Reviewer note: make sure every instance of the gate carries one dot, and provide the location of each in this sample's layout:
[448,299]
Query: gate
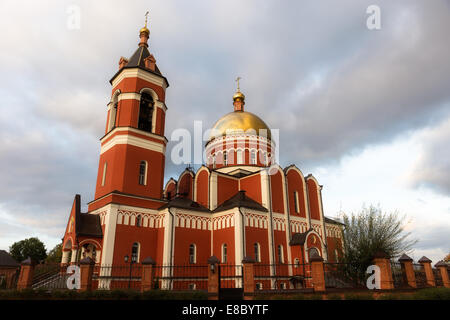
[231,282]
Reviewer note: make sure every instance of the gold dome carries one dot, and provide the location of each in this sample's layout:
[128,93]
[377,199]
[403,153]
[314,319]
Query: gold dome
[144,29]
[239,122]
[237,95]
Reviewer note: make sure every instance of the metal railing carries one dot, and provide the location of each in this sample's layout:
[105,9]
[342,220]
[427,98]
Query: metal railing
[117,277]
[230,276]
[421,279]
[180,277]
[438,277]
[282,276]
[343,275]
[398,275]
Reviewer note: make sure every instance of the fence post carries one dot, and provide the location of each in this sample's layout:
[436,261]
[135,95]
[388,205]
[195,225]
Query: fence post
[443,267]
[249,278]
[147,274]
[213,278]
[408,270]
[86,271]
[26,274]
[426,263]
[317,272]
[382,261]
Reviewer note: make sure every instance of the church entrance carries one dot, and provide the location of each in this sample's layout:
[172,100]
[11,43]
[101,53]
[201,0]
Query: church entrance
[231,282]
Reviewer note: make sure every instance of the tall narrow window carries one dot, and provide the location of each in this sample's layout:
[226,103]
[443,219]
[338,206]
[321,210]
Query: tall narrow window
[104,173]
[280,254]
[146,112]
[225,158]
[296,201]
[224,253]
[253,157]
[240,158]
[143,173]
[135,252]
[113,112]
[192,253]
[257,252]
[138,221]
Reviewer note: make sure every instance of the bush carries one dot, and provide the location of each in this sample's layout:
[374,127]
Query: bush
[334,296]
[432,294]
[359,296]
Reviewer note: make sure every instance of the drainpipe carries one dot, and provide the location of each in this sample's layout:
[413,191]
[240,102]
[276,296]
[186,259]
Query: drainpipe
[243,234]
[324,227]
[287,207]
[271,219]
[172,236]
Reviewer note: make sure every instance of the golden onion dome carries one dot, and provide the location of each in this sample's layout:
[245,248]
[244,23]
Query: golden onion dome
[144,29]
[237,95]
[240,122]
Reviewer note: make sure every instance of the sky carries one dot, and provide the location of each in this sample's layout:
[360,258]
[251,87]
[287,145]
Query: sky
[367,112]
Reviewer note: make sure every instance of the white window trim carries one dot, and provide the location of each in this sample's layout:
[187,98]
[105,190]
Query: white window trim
[145,172]
[195,253]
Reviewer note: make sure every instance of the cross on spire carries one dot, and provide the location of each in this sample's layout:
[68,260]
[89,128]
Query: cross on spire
[237,80]
[146,16]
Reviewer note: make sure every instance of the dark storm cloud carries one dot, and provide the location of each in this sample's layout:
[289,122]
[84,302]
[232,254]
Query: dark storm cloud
[311,69]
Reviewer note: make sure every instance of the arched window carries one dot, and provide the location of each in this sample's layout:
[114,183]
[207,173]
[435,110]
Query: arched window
[146,112]
[240,158]
[257,251]
[280,254]
[104,173]
[135,252]
[253,157]
[224,253]
[138,221]
[192,253]
[312,252]
[113,112]
[296,262]
[143,173]
[225,158]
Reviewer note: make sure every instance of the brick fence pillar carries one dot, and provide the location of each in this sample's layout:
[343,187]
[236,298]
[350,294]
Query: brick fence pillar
[147,274]
[317,273]
[86,271]
[26,274]
[443,268]
[426,263]
[249,278]
[408,270]
[382,261]
[213,278]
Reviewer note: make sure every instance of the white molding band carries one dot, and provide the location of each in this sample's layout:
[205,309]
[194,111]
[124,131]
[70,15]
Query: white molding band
[134,141]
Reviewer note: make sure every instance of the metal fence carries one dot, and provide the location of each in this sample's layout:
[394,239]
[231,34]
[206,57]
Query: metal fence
[49,276]
[398,275]
[343,275]
[117,277]
[180,277]
[438,277]
[282,276]
[421,279]
[230,276]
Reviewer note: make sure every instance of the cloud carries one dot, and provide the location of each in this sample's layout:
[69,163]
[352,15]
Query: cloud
[432,169]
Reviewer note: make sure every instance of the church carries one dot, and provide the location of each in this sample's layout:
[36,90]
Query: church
[239,204]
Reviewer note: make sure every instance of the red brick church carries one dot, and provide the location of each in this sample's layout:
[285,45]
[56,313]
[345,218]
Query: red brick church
[239,204]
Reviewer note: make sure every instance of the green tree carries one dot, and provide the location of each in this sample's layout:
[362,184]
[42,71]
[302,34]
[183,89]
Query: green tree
[31,247]
[55,254]
[370,232]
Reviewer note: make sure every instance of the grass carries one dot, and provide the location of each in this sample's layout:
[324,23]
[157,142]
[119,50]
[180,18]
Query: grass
[29,294]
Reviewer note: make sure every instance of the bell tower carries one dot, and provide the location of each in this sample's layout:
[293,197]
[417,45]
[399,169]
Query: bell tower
[132,154]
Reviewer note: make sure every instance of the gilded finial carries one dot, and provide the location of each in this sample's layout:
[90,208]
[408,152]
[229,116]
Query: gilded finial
[238,95]
[144,29]
[237,80]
